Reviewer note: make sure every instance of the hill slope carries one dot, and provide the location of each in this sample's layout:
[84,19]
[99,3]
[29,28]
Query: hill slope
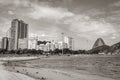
[115,49]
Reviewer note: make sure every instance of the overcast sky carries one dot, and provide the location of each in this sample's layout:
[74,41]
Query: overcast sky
[84,20]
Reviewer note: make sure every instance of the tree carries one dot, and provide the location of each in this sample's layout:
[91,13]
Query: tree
[66,51]
[57,51]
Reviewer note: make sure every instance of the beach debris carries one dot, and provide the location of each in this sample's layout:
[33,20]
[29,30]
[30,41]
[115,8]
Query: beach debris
[18,71]
[43,78]
[23,70]
[13,67]
[26,73]
[37,72]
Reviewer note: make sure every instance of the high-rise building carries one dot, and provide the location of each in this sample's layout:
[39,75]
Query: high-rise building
[0,44]
[8,34]
[56,45]
[19,35]
[60,45]
[32,43]
[68,42]
[5,43]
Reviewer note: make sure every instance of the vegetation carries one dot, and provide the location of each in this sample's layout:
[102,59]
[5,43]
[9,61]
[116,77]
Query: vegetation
[101,49]
[21,51]
[41,52]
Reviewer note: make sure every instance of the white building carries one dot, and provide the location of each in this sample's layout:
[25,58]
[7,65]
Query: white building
[23,43]
[60,45]
[42,47]
[32,43]
[5,43]
[68,42]
[17,32]
[56,45]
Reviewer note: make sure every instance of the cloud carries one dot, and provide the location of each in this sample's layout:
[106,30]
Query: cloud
[115,4]
[11,12]
[25,3]
[88,27]
[115,36]
[4,26]
[49,12]
[17,3]
[113,13]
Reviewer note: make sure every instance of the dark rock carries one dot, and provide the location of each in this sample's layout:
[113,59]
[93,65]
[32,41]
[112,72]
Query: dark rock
[115,49]
[98,42]
[18,71]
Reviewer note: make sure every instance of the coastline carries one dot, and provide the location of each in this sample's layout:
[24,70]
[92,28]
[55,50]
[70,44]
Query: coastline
[54,74]
[8,75]
[49,73]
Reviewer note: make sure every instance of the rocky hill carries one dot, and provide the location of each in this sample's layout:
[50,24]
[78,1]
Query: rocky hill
[99,49]
[98,42]
[115,49]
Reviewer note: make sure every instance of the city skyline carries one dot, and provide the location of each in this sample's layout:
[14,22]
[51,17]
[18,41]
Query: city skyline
[17,38]
[84,20]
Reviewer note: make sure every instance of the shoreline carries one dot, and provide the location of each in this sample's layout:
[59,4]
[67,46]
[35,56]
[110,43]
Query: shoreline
[47,68]
[8,75]
[54,74]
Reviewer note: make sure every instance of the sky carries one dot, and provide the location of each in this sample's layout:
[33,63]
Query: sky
[84,20]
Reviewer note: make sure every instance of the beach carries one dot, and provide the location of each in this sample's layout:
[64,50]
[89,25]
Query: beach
[67,68]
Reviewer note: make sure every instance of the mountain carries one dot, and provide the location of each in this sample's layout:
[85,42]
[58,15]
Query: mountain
[115,49]
[99,49]
[98,42]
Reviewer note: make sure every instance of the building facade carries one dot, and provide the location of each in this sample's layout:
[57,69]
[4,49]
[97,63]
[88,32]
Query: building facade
[5,43]
[32,43]
[18,35]
[68,42]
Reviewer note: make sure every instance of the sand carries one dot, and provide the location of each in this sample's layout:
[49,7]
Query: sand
[7,75]
[65,68]
[53,74]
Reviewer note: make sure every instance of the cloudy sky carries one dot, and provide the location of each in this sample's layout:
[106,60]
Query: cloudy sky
[84,20]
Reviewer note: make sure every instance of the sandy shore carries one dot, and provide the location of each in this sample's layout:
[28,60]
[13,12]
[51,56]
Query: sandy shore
[7,75]
[66,68]
[53,74]
[17,58]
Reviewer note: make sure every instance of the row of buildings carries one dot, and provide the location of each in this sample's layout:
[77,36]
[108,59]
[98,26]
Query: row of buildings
[17,38]
[35,43]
